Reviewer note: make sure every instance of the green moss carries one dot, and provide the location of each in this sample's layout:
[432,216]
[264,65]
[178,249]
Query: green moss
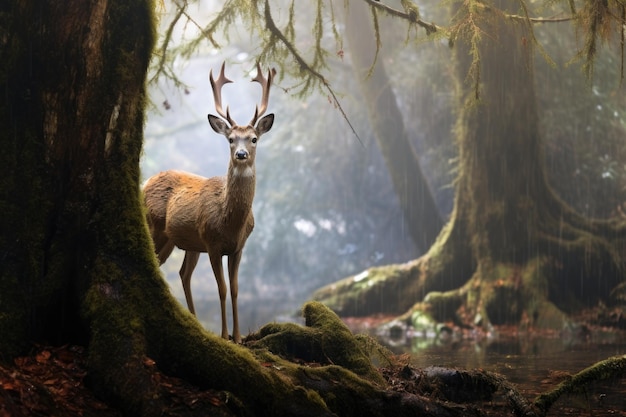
[535,277]
[422,322]
[373,290]
[497,293]
[340,398]
[325,339]
[611,368]
[442,304]
[341,390]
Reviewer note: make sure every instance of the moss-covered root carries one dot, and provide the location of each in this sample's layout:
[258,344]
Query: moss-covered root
[338,342]
[325,340]
[610,368]
[383,289]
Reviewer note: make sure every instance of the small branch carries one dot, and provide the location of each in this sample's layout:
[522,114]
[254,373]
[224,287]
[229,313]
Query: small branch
[271,25]
[622,41]
[164,47]
[206,33]
[430,27]
[541,19]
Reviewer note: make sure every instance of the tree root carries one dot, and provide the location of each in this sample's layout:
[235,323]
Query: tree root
[324,356]
[614,367]
[325,339]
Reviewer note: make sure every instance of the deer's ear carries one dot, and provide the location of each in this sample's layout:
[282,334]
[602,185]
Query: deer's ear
[265,124]
[219,125]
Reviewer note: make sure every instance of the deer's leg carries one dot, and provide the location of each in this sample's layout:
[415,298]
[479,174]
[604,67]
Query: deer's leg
[233,270]
[163,246]
[218,271]
[189,263]
[165,252]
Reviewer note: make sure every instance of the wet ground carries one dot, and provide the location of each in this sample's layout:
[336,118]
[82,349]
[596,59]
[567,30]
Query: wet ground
[538,366]
[535,362]
[51,381]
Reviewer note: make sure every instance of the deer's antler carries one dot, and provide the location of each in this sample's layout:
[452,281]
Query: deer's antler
[217,93]
[266,83]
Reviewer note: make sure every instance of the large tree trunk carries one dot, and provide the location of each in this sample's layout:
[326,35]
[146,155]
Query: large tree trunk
[72,120]
[512,242]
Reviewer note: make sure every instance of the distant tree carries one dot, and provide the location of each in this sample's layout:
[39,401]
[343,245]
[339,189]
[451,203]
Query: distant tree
[511,246]
[392,136]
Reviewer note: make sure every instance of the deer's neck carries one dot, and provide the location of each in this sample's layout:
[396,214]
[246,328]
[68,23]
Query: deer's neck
[240,187]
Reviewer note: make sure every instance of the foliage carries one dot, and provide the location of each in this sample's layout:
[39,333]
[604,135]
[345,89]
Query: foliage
[599,20]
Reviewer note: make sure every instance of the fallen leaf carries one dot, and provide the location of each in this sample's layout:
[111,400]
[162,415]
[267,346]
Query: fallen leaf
[43,356]
[8,386]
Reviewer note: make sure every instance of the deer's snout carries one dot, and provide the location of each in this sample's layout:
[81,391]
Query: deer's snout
[241,154]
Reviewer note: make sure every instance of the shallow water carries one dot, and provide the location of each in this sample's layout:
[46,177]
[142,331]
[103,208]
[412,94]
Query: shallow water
[534,365]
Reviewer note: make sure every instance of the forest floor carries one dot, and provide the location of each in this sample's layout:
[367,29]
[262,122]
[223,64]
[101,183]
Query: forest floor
[53,381]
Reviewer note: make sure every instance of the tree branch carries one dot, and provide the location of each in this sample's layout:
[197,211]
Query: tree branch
[430,27]
[271,26]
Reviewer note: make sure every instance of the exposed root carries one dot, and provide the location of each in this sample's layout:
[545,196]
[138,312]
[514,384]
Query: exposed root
[614,367]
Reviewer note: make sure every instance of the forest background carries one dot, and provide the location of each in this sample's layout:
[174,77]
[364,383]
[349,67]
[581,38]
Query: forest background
[325,206]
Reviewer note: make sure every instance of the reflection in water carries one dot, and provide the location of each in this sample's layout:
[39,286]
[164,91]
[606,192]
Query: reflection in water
[534,364]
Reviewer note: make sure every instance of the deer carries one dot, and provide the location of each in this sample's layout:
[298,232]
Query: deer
[211,215]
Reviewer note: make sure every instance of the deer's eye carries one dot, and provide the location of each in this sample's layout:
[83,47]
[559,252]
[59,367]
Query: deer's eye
[254,140]
[230,140]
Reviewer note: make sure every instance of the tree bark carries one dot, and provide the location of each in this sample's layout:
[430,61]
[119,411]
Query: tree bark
[72,120]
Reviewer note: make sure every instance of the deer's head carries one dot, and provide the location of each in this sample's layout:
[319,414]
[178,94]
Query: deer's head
[242,138]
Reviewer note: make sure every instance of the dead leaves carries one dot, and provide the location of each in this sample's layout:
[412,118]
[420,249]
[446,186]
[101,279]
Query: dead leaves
[52,382]
[51,379]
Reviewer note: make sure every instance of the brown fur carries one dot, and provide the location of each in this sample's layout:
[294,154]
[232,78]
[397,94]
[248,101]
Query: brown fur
[212,215]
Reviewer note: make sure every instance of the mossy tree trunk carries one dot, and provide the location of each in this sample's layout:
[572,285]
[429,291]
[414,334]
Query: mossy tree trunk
[71,129]
[514,251]
[395,288]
